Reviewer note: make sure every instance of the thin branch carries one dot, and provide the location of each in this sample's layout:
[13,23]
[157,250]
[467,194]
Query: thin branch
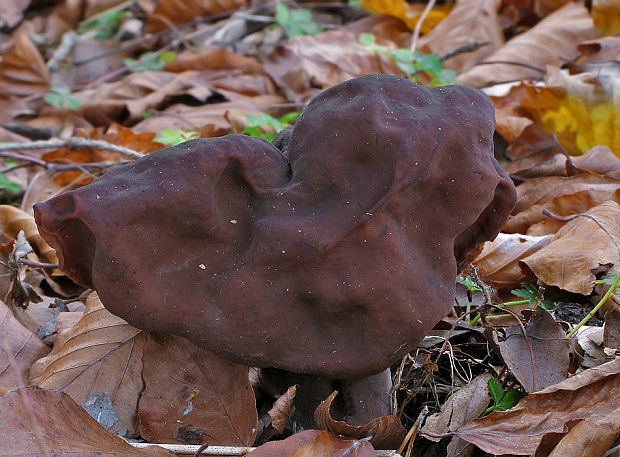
[418,25]
[71,143]
[35,264]
[510,62]
[465,48]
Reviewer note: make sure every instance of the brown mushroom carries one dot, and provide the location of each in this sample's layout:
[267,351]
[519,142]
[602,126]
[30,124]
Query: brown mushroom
[334,259]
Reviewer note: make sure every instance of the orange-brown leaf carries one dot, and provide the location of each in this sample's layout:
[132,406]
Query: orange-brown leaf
[315,443]
[385,432]
[590,395]
[194,396]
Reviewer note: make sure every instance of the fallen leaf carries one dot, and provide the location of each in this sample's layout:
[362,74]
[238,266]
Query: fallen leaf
[214,60]
[466,404]
[546,7]
[534,222]
[11,12]
[606,16]
[209,120]
[307,64]
[550,348]
[62,427]
[13,220]
[22,69]
[175,12]
[590,438]
[599,50]
[19,348]
[192,395]
[315,443]
[555,37]
[582,245]
[280,414]
[101,353]
[498,263]
[590,395]
[385,432]
[468,22]
[409,13]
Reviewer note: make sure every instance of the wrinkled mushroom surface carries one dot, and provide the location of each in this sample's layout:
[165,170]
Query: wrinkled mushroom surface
[335,260]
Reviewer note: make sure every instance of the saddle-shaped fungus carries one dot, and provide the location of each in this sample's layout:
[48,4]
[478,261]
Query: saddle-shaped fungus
[334,259]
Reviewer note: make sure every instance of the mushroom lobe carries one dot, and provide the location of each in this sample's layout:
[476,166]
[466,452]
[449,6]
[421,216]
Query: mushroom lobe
[335,259]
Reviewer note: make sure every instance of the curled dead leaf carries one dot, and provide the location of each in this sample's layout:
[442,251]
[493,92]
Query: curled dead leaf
[590,395]
[315,443]
[385,432]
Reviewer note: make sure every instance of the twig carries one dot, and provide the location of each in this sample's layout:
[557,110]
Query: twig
[35,264]
[510,62]
[464,48]
[418,25]
[189,449]
[413,431]
[596,308]
[72,143]
[571,168]
[68,41]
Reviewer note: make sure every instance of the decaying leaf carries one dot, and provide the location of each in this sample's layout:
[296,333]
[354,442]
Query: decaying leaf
[316,443]
[591,395]
[61,427]
[466,404]
[555,36]
[550,349]
[470,21]
[582,245]
[192,395]
[14,220]
[498,263]
[19,348]
[176,12]
[279,416]
[385,432]
[22,69]
[408,13]
[101,353]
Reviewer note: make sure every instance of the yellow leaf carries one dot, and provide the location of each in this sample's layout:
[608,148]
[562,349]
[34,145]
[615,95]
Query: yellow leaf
[409,14]
[606,16]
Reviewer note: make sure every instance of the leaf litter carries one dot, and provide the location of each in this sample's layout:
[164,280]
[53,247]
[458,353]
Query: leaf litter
[64,74]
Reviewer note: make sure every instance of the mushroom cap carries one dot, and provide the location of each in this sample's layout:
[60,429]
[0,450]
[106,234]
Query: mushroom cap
[336,261]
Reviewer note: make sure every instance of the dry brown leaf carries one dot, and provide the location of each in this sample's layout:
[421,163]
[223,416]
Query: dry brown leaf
[603,49]
[169,13]
[606,16]
[213,60]
[22,69]
[101,353]
[554,38]
[546,7]
[19,348]
[11,12]
[305,65]
[208,120]
[63,427]
[599,160]
[469,21]
[315,443]
[13,220]
[191,395]
[543,190]
[385,432]
[498,263]
[466,404]
[590,438]
[533,222]
[282,409]
[578,248]
[550,348]
[590,395]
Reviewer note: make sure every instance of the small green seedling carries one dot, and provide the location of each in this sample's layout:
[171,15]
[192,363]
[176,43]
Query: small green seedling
[467,282]
[106,24]
[62,97]
[174,137]
[150,61]
[257,124]
[296,21]
[10,187]
[610,282]
[529,291]
[412,63]
[502,400]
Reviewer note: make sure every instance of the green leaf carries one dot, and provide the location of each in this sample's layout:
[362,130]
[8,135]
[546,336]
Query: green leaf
[530,291]
[496,390]
[367,39]
[106,25]
[61,97]
[150,61]
[174,137]
[510,400]
[296,21]
[289,118]
[471,285]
